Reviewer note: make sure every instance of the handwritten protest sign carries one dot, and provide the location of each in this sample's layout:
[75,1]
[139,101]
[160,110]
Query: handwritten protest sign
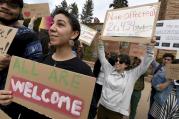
[167,32]
[133,24]
[172,71]
[7,35]
[137,50]
[54,92]
[87,34]
[38,10]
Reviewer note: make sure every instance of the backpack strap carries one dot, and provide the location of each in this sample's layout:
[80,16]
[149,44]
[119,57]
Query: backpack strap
[158,68]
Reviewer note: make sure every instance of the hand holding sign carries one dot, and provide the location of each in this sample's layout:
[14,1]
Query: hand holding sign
[152,41]
[5,97]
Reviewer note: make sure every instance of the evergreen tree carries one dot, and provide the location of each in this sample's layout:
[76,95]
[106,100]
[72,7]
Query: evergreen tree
[74,9]
[87,12]
[64,5]
[119,4]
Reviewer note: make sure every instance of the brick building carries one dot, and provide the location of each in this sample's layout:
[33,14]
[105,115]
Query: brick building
[169,9]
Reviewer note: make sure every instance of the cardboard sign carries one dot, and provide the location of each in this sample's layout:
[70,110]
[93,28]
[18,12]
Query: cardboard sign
[38,10]
[167,34]
[46,22]
[137,50]
[7,35]
[3,115]
[131,24]
[87,34]
[54,92]
[172,71]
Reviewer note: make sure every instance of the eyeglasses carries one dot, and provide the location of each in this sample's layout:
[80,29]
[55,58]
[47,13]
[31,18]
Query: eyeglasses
[10,3]
[120,62]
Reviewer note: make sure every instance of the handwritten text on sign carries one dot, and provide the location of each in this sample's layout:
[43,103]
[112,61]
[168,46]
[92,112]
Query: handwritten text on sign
[64,94]
[49,97]
[137,21]
[87,34]
[7,35]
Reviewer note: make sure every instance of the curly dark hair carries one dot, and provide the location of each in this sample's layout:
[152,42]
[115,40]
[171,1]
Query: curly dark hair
[168,55]
[72,19]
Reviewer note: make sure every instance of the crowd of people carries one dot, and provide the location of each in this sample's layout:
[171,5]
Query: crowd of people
[119,80]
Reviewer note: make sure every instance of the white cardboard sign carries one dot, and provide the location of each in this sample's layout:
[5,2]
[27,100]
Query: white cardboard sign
[167,34]
[131,23]
[87,34]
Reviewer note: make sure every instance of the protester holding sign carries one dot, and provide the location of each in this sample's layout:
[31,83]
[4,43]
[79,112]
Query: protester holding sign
[158,76]
[166,98]
[65,28]
[25,44]
[118,83]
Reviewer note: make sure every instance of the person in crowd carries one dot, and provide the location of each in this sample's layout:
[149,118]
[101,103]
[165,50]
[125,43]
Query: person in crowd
[158,71]
[118,83]
[25,43]
[136,94]
[165,105]
[65,27]
[99,74]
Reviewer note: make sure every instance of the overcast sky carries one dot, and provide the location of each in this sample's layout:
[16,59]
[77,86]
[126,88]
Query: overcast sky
[100,6]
